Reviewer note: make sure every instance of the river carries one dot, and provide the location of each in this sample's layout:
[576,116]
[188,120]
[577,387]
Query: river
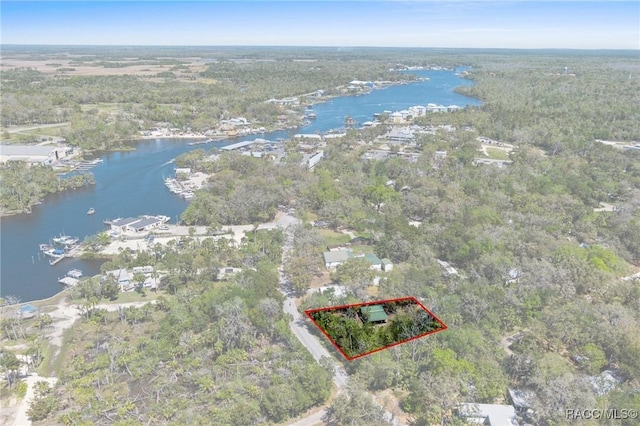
[130,184]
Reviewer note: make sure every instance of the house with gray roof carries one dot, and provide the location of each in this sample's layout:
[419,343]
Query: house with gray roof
[335,258]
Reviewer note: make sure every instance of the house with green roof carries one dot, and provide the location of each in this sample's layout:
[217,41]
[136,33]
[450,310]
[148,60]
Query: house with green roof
[375,262]
[374,314]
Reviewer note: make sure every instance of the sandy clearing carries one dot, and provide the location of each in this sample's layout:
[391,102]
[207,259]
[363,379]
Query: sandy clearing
[66,314]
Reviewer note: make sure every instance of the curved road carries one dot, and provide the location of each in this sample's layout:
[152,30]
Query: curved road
[308,340]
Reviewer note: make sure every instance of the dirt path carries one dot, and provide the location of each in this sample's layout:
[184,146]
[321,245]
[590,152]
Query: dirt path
[21,418]
[64,316]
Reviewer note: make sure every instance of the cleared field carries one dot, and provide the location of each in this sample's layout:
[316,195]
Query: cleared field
[497,153]
[189,67]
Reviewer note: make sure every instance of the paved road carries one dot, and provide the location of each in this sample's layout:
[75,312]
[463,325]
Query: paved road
[40,126]
[306,338]
[310,342]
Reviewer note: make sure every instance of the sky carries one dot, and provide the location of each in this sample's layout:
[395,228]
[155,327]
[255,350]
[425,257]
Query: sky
[417,23]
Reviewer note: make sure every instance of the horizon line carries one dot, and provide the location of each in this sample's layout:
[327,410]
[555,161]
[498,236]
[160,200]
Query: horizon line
[320,46]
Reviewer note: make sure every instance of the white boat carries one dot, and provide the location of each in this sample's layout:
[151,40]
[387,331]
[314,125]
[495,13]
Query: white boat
[55,253]
[162,218]
[74,273]
[91,211]
[65,240]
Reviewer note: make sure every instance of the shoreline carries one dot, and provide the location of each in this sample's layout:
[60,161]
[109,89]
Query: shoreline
[177,231]
[195,136]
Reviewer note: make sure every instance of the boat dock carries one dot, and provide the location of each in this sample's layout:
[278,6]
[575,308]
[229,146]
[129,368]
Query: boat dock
[71,249]
[72,278]
[73,252]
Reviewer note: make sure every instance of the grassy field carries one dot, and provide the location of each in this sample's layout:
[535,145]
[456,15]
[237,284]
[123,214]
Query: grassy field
[332,238]
[102,107]
[497,153]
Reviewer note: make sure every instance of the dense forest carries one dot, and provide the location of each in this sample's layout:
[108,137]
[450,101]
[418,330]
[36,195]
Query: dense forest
[532,253]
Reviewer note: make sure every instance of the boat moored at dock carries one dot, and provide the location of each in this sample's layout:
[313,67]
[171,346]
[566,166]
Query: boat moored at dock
[65,240]
[72,277]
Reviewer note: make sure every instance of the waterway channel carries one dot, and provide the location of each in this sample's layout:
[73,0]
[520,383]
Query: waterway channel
[130,184]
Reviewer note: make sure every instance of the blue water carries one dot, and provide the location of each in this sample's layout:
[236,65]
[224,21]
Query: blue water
[130,184]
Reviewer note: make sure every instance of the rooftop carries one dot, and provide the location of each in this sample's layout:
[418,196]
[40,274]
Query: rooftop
[27,150]
[372,259]
[490,414]
[374,313]
[336,256]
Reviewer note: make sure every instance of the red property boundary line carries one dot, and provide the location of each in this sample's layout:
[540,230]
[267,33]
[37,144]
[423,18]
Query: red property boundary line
[308,312]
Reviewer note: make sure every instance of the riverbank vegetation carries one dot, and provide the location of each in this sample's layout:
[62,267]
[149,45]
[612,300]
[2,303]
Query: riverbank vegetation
[23,186]
[529,253]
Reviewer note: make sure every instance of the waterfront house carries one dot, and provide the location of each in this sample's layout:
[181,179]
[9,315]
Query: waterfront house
[145,224]
[120,225]
[396,118]
[137,224]
[122,278]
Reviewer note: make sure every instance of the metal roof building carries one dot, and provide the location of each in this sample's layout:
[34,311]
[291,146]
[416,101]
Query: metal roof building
[38,154]
[335,258]
[374,313]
